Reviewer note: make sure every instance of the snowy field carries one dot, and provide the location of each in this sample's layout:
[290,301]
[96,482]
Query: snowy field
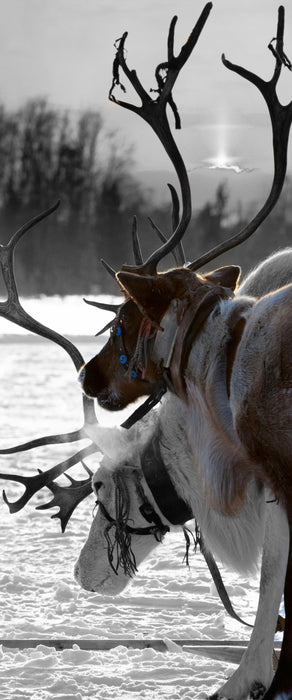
[40,599]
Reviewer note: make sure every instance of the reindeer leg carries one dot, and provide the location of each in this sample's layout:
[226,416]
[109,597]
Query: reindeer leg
[255,672]
[281,688]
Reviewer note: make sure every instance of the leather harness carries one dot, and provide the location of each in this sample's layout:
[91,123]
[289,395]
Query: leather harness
[192,323]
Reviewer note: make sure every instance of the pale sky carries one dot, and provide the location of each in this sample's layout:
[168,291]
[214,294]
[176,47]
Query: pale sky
[63,50]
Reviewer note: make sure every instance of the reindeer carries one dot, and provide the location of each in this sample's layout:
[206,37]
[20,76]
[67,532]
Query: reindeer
[188,335]
[226,357]
[235,540]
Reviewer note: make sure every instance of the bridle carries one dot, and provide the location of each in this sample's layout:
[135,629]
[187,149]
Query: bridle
[120,546]
[192,313]
[147,511]
[121,350]
[159,388]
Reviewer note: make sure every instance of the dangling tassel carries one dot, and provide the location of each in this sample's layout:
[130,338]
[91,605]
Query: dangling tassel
[120,553]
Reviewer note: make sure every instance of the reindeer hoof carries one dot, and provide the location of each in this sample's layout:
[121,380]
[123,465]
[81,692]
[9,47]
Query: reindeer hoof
[257,690]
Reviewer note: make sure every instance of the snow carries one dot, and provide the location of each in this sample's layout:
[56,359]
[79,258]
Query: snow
[40,598]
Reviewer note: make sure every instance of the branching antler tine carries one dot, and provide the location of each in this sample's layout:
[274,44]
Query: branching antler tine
[12,310]
[67,498]
[177,62]
[108,268]
[130,74]
[281,118]
[31,223]
[104,306]
[46,440]
[105,328]
[163,238]
[136,243]
[170,39]
[36,482]
[279,45]
[89,472]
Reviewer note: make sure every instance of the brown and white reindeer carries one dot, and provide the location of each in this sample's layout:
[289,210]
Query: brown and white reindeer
[227,358]
[197,358]
[127,536]
[235,540]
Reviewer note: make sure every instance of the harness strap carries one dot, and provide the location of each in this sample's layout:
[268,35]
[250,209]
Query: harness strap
[145,407]
[217,578]
[173,507]
[190,326]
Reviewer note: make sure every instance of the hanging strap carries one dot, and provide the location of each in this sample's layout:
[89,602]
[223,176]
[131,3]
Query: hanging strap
[150,402]
[217,578]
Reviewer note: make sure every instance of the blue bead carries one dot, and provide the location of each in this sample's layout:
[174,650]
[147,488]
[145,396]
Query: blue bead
[134,374]
[123,359]
[118,330]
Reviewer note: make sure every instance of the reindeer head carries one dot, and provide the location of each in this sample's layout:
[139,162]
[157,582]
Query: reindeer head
[119,538]
[125,369]
[122,370]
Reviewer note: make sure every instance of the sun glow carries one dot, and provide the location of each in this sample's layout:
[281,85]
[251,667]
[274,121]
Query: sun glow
[221,144]
[223,162]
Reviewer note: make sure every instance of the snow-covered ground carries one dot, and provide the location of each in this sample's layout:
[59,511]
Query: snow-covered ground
[39,597]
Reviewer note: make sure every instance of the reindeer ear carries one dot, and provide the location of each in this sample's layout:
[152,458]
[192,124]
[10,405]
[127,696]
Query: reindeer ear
[151,294]
[226,276]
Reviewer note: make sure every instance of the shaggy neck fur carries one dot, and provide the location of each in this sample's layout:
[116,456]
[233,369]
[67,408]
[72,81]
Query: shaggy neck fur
[241,549]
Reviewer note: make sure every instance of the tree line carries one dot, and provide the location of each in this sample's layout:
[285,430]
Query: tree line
[47,155]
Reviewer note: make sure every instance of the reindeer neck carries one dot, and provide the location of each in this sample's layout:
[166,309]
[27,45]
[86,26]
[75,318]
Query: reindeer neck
[182,324]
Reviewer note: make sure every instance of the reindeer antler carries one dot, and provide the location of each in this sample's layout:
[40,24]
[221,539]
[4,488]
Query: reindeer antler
[12,310]
[34,483]
[67,498]
[281,117]
[153,111]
